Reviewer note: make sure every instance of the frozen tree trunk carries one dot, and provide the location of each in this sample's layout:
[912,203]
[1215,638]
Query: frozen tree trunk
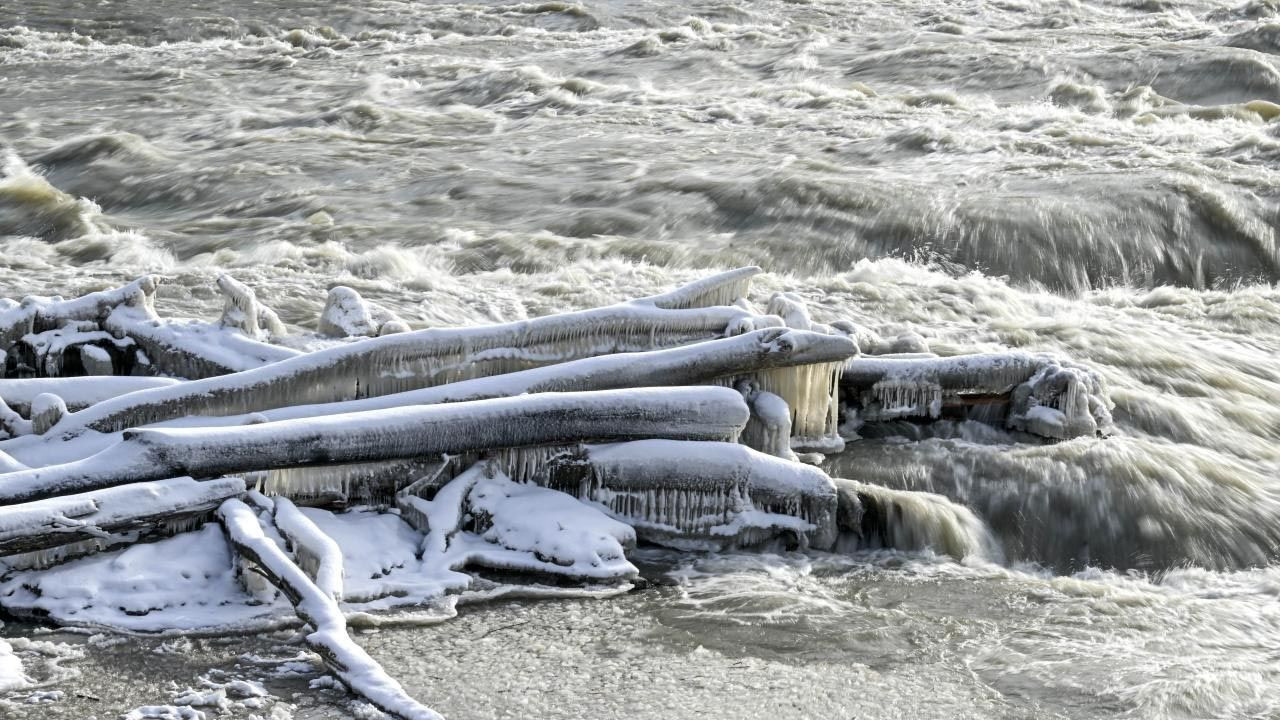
[695,413]
[359,672]
[406,361]
[1040,394]
[78,392]
[108,514]
[687,365]
[700,494]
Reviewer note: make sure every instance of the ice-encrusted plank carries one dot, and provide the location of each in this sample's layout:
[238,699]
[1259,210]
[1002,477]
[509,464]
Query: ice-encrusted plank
[359,672]
[701,413]
[425,358]
[111,514]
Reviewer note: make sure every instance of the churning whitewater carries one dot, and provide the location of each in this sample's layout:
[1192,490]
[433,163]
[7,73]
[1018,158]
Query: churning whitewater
[1095,182]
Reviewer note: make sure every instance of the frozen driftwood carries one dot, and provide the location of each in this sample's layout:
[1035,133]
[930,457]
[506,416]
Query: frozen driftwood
[483,518]
[703,413]
[1039,394]
[317,608]
[118,332]
[77,392]
[696,494]
[110,516]
[544,447]
[425,358]
[39,314]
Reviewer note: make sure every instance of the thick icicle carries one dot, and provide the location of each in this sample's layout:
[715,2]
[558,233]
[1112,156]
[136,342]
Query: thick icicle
[425,358]
[110,516]
[695,413]
[348,661]
[812,394]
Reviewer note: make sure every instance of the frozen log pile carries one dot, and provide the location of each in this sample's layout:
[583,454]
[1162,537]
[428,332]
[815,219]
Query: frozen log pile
[542,450]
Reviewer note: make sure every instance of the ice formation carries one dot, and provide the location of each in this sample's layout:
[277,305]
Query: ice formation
[178,476]
[243,312]
[700,494]
[1035,393]
[347,314]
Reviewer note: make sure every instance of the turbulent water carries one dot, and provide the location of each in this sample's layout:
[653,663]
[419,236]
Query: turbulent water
[1099,179]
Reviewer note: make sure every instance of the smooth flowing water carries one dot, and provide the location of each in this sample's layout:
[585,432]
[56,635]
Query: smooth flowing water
[1094,178]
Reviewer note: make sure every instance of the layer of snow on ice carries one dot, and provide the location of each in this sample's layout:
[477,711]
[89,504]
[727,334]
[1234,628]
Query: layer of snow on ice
[555,527]
[185,582]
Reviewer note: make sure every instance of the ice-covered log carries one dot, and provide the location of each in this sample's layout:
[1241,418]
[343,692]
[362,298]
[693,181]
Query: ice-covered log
[425,358]
[725,288]
[317,553]
[725,359]
[1037,393]
[703,413]
[194,350]
[701,494]
[78,392]
[359,672]
[112,515]
[11,423]
[38,314]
